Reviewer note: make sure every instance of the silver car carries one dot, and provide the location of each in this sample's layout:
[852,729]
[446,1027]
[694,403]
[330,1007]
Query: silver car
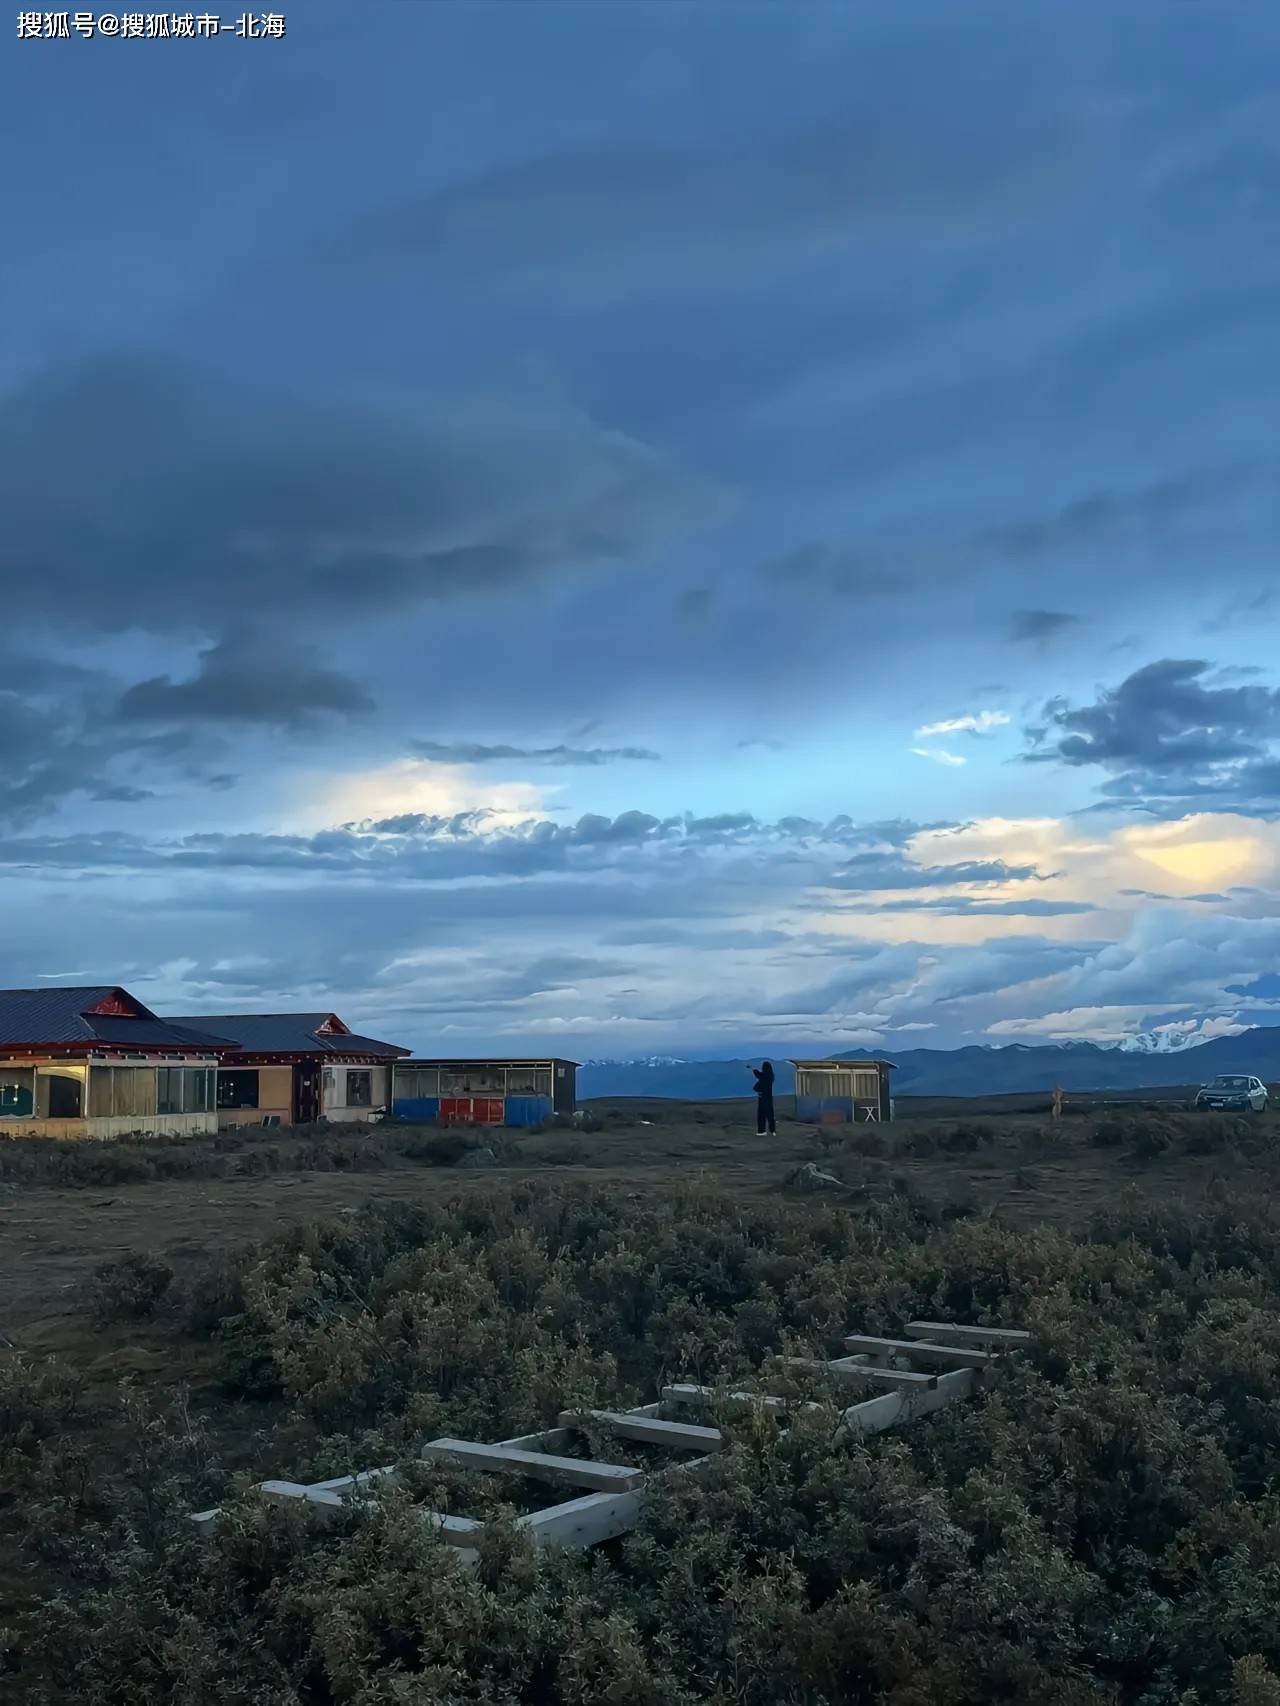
[1233,1091]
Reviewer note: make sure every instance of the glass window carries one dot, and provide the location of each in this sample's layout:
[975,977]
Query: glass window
[238,1089]
[528,1081]
[359,1089]
[60,1092]
[195,1089]
[169,1090]
[467,1080]
[17,1091]
[416,1083]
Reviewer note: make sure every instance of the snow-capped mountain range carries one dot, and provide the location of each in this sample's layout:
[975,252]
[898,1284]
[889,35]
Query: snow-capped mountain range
[1155,1059]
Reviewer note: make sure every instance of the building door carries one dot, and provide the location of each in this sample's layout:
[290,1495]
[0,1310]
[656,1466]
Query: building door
[306,1093]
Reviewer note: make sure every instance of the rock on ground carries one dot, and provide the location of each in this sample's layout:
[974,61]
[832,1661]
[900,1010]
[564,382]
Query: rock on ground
[812,1178]
[478,1158]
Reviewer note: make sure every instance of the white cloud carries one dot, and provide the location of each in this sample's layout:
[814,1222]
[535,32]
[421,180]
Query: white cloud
[979,723]
[938,755]
[718,930]
[1076,1024]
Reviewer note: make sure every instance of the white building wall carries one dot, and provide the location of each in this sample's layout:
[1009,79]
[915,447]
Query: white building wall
[334,1093]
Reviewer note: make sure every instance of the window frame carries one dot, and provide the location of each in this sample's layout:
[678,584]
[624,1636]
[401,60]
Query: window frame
[224,1077]
[15,1072]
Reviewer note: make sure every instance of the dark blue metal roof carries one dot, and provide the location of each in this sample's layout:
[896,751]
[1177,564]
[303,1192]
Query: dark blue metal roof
[65,1017]
[289,1033]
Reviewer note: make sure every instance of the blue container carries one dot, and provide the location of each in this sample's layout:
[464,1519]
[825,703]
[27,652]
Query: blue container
[528,1110]
[416,1110]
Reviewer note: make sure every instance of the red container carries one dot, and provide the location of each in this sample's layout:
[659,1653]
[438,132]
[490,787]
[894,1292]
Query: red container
[472,1110]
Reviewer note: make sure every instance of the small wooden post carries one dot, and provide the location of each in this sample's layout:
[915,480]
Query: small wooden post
[1057,1103]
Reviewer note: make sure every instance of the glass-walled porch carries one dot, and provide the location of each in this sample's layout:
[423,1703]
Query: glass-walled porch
[71,1090]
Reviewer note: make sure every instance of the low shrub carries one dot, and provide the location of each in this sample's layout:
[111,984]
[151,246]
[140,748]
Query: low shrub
[869,1141]
[440,1148]
[1108,1134]
[1151,1138]
[130,1288]
[560,1152]
[1097,1529]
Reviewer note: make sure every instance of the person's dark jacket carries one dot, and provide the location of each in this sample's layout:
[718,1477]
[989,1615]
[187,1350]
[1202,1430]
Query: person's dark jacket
[764,1079]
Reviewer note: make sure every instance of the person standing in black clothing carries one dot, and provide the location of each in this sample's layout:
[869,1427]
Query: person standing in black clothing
[766,1125]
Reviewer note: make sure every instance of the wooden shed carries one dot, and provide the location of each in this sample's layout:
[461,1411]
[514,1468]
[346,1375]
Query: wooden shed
[838,1090]
[483,1092]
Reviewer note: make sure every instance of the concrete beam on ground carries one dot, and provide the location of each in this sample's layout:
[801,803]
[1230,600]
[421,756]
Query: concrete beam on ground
[948,1356]
[319,1496]
[584,1522]
[651,1429]
[874,1415]
[538,1465]
[993,1338]
[684,1392]
[857,1368]
[352,1483]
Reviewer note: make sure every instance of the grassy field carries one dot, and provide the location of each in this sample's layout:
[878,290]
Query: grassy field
[64,1210]
[165,1323]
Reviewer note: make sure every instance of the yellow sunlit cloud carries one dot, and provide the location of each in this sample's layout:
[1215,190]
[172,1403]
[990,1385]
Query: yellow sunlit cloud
[411,786]
[1206,850]
[1210,864]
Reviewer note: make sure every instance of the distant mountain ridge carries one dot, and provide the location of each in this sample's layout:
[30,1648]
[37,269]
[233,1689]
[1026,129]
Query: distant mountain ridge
[971,1071]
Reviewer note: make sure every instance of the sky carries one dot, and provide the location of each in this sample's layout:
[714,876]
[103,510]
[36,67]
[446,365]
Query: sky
[645,527]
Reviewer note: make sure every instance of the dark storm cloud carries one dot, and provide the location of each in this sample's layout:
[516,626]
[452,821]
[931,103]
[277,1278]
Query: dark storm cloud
[1027,625]
[663,935]
[1243,612]
[123,793]
[470,752]
[245,681]
[851,570]
[44,756]
[970,907]
[1180,899]
[299,507]
[1166,735]
[1140,514]
[929,975]
[1204,504]
[934,976]
[609,215]
[484,984]
[877,871]
[56,746]
[1252,786]
[418,849]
